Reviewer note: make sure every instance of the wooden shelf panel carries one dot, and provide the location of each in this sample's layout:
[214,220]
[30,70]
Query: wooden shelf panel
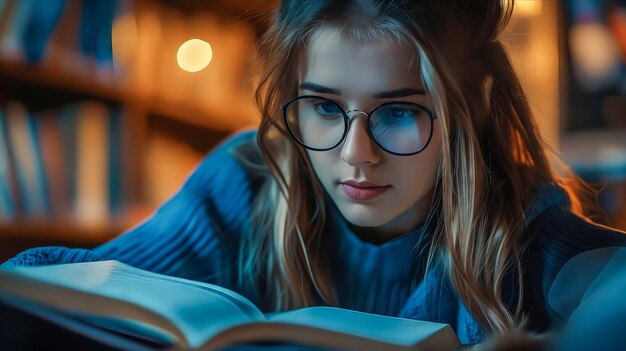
[225,122]
[43,82]
[67,233]
[70,83]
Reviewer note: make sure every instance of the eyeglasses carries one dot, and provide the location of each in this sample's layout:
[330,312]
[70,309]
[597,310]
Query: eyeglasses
[320,124]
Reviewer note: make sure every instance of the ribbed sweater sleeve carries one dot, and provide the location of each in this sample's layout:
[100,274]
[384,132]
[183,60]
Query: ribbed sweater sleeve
[562,235]
[565,235]
[192,235]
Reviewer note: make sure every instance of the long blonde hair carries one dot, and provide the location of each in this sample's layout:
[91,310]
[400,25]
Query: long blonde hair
[491,160]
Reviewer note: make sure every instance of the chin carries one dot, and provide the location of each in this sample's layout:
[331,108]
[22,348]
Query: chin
[364,217]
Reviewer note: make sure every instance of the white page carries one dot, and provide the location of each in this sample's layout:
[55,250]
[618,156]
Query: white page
[201,311]
[399,331]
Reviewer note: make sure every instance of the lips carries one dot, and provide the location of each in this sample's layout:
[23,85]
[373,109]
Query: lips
[364,190]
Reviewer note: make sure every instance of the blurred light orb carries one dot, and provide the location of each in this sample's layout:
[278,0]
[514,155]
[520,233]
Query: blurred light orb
[595,55]
[194,55]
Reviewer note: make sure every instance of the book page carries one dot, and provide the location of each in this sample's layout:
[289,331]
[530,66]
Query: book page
[399,331]
[106,336]
[337,328]
[197,310]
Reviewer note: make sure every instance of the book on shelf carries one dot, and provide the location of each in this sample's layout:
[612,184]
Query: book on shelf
[25,148]
[25,28]
[127,307]
[41,22]
[92,188]
[115,160]
[8,203]
[99,162]
[95,33]
[124,49]
[62,163]
[28,30]
[62,50]
[55,161]
[13,23]
[67,119]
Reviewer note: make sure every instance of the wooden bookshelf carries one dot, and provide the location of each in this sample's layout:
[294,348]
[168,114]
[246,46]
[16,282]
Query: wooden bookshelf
[50,85]
[61,85]
[19,237]
[220,121]
[44,77]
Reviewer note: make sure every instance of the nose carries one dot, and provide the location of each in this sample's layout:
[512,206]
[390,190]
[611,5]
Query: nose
[358,148]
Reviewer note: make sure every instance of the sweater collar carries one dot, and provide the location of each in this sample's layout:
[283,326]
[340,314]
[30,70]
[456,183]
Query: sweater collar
[401,245]
[545,196]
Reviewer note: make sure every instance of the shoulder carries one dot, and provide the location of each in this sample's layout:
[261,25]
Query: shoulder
[559,231]
[563,232]
[231,155]
[233,164]
[555,235]
[561,235]
[228,178]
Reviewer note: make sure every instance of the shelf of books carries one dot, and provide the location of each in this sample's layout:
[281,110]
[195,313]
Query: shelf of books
[64,163]
[99,122]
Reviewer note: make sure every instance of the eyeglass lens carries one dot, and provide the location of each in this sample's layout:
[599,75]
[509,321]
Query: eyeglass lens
[318,123]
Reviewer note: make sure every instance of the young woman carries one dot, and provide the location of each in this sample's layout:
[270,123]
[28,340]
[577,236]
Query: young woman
[397,170]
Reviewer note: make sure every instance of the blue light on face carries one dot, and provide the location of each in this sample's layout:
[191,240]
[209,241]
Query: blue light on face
[398,116]
[401,128]
[398,127]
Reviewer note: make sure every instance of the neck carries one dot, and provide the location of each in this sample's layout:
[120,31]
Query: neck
[404,223]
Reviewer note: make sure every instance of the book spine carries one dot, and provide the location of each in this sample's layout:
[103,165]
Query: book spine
[40,24]
[28,163]
[62,48]
[54,161]
[7,203]
[15,29]
[95,34]
[105,14]
[68,117]
[41,186]
[92,194]
[116,156]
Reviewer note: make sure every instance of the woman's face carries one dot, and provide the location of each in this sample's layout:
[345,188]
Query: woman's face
[355,74]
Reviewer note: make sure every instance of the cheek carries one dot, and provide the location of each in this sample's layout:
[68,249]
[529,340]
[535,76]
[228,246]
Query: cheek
[323,164]
[420,172]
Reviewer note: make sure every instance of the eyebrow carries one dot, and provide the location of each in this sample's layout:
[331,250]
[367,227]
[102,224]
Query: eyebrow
[398,93]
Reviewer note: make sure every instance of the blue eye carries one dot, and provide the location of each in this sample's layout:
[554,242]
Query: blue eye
[398,116]
[327,110]
[399,112]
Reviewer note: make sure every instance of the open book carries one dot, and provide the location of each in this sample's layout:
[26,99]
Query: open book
[136,309]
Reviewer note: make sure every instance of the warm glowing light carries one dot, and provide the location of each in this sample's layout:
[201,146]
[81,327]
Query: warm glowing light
[595,55]
[527,8]
[194,55]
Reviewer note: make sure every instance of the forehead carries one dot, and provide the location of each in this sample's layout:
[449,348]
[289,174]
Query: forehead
[358,69]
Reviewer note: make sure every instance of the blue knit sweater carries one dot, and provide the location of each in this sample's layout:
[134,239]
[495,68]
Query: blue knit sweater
[196,233]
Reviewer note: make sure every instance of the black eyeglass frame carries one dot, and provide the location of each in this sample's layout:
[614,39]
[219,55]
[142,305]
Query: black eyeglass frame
[348,121]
